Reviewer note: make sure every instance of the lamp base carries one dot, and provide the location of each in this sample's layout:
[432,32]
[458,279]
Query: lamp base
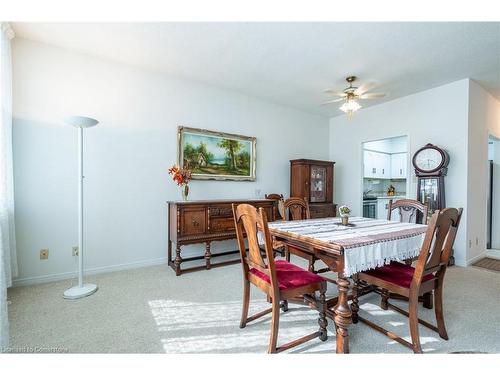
[80,292]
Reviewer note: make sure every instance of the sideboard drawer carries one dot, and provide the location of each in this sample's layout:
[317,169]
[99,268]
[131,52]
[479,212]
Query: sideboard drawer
[193,221]
[223,224]
[223,210]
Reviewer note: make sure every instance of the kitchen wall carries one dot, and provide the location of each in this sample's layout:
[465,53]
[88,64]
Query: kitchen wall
[380,186]
[438,115]
[127,156]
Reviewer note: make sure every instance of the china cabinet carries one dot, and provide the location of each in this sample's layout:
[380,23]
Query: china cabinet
[313,180]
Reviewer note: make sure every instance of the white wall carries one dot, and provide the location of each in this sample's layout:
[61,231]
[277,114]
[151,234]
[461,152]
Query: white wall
[438,116]
[484,119]
[127,155]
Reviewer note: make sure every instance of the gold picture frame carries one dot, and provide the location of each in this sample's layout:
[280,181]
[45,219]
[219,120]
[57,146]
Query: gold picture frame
[212,155]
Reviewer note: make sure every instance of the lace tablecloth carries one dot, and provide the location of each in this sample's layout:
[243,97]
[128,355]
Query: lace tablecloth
[369,243]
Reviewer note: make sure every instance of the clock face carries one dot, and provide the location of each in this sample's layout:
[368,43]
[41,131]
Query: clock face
[428,159]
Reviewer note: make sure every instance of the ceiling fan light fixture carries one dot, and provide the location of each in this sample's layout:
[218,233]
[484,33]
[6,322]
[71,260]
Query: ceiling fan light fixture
[349,107]
[351,94]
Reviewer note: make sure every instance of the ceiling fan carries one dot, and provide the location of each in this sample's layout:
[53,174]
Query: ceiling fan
[351,94]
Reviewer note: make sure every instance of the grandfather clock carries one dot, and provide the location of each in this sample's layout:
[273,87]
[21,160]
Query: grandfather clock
[431,166]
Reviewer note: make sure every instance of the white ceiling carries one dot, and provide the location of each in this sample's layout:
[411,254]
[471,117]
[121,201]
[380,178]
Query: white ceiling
[291,63]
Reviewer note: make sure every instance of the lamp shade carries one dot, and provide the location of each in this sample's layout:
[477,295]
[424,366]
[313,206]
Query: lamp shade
[81,121]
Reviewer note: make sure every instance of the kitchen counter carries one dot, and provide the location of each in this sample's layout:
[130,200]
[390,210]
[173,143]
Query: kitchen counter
[392,197]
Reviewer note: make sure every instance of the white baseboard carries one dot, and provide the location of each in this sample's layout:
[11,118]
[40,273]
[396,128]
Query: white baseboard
[90,271]
[476,258]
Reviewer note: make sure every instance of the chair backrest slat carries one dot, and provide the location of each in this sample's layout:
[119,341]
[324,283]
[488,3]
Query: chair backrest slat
[408,210]
[438,242]
[250,221]
[298,209]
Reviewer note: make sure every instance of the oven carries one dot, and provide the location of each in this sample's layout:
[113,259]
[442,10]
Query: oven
[370,208]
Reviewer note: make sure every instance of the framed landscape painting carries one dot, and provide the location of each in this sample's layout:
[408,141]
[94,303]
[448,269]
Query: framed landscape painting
[216,156]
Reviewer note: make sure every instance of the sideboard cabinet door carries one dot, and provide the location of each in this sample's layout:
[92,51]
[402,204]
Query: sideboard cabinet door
[193,221]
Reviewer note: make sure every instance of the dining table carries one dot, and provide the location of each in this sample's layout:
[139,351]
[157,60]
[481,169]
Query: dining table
[362,244]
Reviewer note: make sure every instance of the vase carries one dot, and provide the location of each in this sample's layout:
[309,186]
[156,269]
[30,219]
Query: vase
[185,192]
[345,220]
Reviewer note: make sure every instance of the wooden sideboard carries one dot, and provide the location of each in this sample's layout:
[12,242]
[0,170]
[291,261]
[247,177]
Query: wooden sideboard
[194,222]
[313,180]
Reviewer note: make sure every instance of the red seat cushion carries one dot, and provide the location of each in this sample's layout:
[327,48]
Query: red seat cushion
[396,273]
[289,276]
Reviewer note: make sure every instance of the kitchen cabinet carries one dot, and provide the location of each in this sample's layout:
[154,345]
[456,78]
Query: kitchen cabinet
[398,165]
[376,164]
[368,164]
[384,165]
[382,208]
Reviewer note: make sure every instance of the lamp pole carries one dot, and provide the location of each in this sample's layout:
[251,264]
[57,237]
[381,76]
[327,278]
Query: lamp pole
[80,207]
[82,290]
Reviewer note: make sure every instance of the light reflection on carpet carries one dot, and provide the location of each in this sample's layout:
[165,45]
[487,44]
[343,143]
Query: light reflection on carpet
[213,327]
[193,327]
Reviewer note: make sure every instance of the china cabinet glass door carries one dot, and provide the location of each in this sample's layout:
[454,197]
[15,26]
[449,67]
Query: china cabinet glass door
[318,184]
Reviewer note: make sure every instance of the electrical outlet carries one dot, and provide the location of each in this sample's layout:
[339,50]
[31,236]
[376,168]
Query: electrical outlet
[44,254]
[477,241]
[75,251]
[470,244]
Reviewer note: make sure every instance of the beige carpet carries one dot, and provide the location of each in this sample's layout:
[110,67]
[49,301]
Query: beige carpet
[150,310]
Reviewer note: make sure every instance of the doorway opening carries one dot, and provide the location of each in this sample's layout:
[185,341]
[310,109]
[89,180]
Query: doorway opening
[493,207]
[385,175]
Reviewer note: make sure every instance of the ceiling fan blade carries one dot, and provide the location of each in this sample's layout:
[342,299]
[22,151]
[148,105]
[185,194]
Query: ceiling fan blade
[373,95]
[335,92]
[365,87]
[332,101]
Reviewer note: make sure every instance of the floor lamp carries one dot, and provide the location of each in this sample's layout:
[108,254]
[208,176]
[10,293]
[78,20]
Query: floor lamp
[82,290]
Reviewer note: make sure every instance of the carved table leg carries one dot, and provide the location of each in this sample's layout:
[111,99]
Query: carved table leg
[355,300]
[342,315]
[208,255]
[322,316]
[177,260]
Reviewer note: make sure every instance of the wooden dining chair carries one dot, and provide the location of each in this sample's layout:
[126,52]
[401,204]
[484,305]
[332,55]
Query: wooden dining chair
[427,276]
[410,211]
[280,280]
[278,208]
[279,247]
[298,209]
